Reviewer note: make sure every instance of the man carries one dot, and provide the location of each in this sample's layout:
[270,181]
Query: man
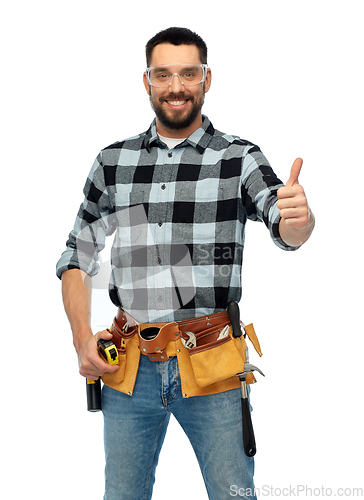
[177,198]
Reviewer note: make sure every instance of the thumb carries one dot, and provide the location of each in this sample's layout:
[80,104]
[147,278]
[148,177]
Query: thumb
[104,334]
[295,172]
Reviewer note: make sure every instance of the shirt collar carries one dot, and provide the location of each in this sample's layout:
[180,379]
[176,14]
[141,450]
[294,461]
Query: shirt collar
[200,139]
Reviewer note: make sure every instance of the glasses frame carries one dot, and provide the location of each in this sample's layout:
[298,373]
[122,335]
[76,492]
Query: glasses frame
[203,66]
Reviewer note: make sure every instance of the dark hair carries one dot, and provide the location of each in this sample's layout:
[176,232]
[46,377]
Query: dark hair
[177,36]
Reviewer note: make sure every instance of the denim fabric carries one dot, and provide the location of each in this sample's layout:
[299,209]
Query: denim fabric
[135,428]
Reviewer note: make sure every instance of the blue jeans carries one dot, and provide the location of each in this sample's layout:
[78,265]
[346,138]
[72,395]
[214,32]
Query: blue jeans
[135,427]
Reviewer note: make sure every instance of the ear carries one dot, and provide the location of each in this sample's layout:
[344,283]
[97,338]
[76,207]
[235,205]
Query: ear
[208,80]
[146,83]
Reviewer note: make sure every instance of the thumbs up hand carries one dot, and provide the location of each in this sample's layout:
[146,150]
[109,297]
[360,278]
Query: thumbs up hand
[297,220]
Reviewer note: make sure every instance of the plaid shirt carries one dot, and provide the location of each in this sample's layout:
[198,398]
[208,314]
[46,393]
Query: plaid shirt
[178,218]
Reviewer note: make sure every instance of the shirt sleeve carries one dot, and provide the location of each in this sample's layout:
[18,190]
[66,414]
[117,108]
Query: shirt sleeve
[259,193]
[92,225]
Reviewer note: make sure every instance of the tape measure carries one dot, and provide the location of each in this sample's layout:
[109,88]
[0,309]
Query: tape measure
[107,350]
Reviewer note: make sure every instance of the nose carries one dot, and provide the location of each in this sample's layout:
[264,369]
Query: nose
[176,84]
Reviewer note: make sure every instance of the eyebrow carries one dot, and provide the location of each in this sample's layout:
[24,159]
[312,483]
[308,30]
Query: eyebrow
[159,68]
[164,66]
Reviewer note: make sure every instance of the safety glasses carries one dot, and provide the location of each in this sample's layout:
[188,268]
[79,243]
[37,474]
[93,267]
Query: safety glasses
[188,74]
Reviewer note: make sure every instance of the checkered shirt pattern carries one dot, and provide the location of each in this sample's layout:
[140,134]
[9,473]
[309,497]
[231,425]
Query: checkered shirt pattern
[178,219]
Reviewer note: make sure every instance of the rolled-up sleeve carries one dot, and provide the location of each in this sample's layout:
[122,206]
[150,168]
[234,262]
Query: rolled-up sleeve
[87,237]
[259,193]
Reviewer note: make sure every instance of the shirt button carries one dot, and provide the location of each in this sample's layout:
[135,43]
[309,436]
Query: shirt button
[170,155]
[163,186]
[160,223]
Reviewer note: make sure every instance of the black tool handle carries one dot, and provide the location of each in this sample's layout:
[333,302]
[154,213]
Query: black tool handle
[234,315]
[93,391]
[248,431]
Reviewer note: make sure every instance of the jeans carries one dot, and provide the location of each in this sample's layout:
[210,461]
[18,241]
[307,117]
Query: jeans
[135,427]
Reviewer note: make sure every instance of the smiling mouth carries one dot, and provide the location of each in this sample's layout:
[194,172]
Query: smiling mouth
[177,104]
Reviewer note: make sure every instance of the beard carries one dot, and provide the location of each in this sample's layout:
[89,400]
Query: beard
[174,119]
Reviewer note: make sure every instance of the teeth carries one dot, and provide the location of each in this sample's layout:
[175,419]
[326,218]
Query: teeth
[176,103]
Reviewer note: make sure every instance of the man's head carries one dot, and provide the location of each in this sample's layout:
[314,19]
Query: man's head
[176,80]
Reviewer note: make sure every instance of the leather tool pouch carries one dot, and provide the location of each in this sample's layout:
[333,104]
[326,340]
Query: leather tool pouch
[153,340]
[215,360]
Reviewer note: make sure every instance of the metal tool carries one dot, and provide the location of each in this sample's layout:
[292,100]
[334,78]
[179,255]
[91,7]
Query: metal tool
[191,342]
[248,431]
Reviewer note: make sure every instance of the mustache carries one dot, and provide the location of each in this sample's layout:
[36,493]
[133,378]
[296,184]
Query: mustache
[177,97]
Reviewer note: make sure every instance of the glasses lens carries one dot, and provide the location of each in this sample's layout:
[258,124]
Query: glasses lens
[189,75]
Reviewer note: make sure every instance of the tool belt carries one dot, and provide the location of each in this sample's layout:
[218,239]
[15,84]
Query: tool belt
[208,355]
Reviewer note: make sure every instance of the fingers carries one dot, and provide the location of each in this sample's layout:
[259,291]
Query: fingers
[96,368]
[296,217]
[92,366]
[292,203]
[104,334]
[289,197]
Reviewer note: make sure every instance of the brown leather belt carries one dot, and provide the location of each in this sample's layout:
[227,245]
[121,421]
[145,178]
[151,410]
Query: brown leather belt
[163,345]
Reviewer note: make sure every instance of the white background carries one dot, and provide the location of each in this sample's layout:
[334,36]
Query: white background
[288,76]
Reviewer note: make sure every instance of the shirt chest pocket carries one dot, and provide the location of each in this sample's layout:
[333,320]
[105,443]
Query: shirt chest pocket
[131,214]
[196,205]
[128,195]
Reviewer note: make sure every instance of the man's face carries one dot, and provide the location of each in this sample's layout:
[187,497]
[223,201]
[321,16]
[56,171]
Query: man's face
[177,107]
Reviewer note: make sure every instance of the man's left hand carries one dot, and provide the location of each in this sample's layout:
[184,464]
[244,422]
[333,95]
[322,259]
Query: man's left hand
[297,220]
